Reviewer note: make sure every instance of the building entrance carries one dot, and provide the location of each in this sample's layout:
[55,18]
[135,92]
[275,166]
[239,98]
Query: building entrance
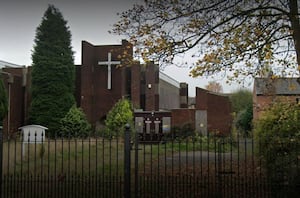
[152,126]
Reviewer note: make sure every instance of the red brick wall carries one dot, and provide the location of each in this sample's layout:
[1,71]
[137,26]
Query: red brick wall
[181,117]
[136,85]
[218,109]
[261,102]
[78,85]
[96,100]
[151,94]
[28,94]
[201,99]
[18,100]
[184,95]
[86,88]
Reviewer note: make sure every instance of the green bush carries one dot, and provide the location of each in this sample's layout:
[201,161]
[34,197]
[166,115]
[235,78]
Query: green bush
[242,104]
[240,100]
[74,124]
[278,134]
[280,121]
[243,121]
[117,118]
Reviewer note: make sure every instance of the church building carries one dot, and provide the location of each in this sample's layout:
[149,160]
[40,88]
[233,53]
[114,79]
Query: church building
[109,73]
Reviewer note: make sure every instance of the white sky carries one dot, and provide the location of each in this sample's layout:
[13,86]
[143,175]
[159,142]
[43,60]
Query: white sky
[88,20]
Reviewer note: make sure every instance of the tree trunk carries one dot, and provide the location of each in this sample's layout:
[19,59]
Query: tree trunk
[295,27]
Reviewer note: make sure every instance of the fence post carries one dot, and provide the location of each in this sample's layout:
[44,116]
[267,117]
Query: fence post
[1,159]
[219,170]
[136,165]
[127,162]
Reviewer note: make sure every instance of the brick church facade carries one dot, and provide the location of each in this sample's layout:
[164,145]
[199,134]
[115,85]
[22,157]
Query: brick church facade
[107,74]
[99,86]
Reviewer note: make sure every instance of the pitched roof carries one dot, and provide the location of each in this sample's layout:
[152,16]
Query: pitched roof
[7,64]
[169,79]
[278,86]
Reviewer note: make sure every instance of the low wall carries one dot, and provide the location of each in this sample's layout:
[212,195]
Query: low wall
[181,117]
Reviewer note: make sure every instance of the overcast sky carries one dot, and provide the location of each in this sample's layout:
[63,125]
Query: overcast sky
[88,20]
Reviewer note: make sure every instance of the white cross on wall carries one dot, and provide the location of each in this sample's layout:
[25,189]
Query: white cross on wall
[109,63]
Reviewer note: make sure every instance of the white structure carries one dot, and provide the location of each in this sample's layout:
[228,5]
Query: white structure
[33,133]
[169,92]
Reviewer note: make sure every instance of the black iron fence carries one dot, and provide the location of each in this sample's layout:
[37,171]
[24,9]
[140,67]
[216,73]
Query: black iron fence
[105,167]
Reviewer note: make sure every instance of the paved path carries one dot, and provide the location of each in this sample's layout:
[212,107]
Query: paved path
[202,157]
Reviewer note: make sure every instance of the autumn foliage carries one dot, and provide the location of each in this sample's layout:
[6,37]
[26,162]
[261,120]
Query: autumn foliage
[234,38]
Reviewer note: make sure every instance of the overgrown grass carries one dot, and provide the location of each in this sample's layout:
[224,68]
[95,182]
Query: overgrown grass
[63,156]
[94,155]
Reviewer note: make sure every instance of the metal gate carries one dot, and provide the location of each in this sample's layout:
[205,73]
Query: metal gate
[204,166]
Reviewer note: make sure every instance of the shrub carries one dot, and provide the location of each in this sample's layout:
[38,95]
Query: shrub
[243,121]
[278,134]
[240,100]
[74,124]
[118,117]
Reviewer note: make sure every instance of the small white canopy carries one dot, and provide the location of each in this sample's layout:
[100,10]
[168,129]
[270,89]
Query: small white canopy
[33,133]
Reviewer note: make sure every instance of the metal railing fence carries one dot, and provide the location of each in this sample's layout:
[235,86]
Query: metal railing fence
[105,167]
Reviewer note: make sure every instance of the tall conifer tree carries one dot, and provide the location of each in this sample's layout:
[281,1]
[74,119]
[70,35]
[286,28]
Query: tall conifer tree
[53,71]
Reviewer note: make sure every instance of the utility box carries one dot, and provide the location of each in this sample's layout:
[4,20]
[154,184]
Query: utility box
[33,133]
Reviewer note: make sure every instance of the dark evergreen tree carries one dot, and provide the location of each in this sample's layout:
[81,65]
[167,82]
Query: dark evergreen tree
[53,71]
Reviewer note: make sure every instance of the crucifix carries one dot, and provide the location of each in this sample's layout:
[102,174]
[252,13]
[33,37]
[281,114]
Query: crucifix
[109,63]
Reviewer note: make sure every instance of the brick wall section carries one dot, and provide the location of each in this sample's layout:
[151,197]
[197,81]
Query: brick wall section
[27,94]
[181,117]
[184,95]
[88,62]
[151,93]
[18,100]
[136,85]
[201,99]
[96,100]
[78,85]
[218,109]
[268,94]
[262,102]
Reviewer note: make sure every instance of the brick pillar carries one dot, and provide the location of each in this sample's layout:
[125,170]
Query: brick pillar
[184,96]
[86,89]
[201,99]
[136,85]
[151,89]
